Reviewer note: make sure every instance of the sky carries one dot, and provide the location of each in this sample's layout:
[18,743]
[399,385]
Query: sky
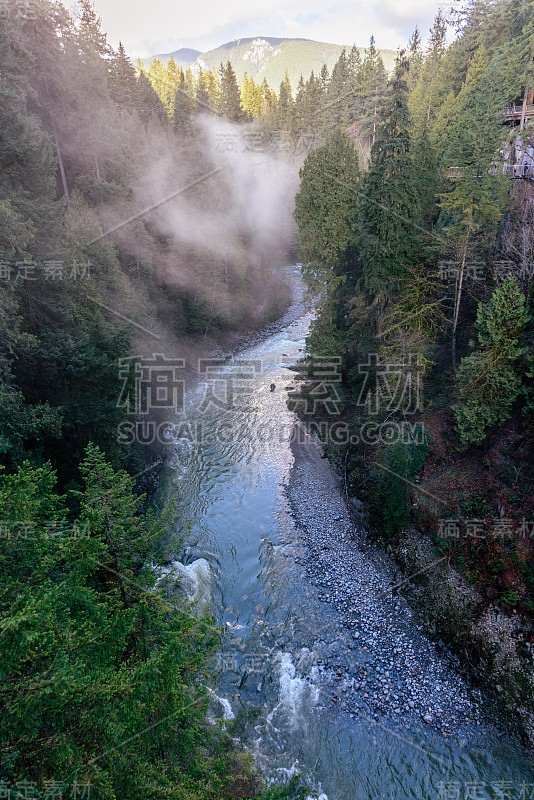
[163,26]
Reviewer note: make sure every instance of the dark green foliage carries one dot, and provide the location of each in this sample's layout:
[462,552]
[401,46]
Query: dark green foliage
[388,233]
[21,423]
[370,94]
[307,105]
[339,92]
[488,380]
[149,103]
[325,208]
[183,107]
[391,481]
[415,56]
[284,107]
[429,89]
[427,178]
[432,206]
[123,81]
[82,136]
[103,679]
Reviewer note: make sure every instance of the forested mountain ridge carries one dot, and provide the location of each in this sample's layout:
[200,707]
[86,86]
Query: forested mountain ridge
[269,58]
[288,120]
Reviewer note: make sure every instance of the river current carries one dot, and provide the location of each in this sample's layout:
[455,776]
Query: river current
[228,474]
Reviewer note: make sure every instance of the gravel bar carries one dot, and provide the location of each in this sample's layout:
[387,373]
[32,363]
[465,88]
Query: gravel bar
[395,671]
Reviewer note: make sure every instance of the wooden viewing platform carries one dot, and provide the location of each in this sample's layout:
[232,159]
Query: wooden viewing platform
[513,113]
[525,171]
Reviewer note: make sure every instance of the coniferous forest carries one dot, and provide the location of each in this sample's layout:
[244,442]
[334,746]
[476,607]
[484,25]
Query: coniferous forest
[93,651]
[416,243]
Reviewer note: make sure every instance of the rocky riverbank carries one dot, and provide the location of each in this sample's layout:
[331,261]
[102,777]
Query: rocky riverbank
[495,648]
[395,675]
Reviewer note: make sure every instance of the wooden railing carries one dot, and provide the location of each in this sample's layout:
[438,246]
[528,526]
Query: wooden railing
[519,171]
[514,112]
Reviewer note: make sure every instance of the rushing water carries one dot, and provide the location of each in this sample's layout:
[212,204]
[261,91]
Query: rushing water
[227,475]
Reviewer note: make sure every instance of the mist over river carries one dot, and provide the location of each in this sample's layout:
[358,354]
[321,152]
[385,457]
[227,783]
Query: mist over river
[347,689]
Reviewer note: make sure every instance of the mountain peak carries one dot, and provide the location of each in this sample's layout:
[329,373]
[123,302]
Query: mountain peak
[270,57]
[260,51]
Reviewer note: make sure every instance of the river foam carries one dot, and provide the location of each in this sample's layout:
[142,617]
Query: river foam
[297,694]
[192,581]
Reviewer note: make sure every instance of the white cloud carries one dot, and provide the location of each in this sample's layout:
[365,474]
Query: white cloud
[162,27]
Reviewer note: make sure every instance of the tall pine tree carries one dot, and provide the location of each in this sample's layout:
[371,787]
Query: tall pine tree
[389,209]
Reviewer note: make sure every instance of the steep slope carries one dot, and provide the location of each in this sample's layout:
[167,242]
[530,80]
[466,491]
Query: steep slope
[270,57]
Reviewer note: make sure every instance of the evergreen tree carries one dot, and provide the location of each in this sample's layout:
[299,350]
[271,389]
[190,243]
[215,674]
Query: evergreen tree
[97,653]
[428,93]
[268,98]
[488,380]
[28,204]
[230,102]
[309,104]
[190,81]
[415,57]
[248,94]
[214,89]
[149,103]
[123,81]
[388,235]
[183,110]
[299,108]
[284,108]
[355,80]
[202,97]
[426,172]
[90,35]
[157,76]
[339,92]
[169,86]
[324,78]
[476,198]
[371,94]
[325,210]
[20,421]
